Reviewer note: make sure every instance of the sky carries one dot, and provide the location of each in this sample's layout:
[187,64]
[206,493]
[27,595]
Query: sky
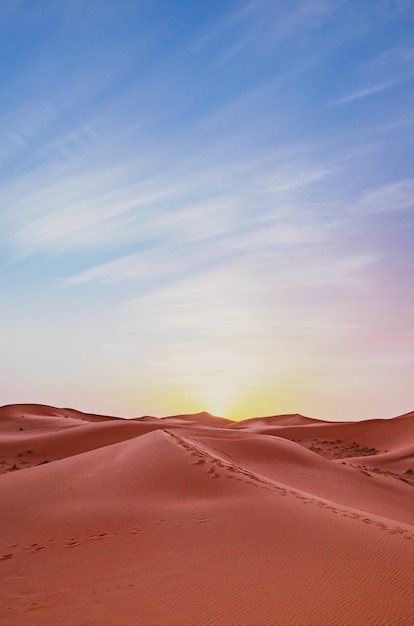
[208,206]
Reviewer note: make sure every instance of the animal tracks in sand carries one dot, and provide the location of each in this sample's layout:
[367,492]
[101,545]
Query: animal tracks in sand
[199,520]
[75,542]
[196,518]
[219,468]
[68,543]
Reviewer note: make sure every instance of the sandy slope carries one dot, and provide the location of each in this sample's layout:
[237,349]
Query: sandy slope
[177,522]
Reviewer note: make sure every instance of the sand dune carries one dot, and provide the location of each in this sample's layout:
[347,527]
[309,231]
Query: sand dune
[201,419]
[291,419]
[195,520]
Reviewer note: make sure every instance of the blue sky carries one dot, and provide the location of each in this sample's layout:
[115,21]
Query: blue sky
[208,206]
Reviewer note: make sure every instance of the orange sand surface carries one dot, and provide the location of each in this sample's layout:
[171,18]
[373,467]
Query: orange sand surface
[194,520]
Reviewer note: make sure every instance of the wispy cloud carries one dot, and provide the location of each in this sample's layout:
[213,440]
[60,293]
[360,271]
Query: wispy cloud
[365,93]
[393,197]
[171,260]
[260,26]
[177,232]
[250,317]
[86,202]
[396,62]
[381,73]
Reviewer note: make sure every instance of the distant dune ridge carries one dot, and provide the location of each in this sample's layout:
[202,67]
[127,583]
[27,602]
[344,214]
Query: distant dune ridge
[195,520]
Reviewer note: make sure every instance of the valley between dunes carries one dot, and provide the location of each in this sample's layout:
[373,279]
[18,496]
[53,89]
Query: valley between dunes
[195,520]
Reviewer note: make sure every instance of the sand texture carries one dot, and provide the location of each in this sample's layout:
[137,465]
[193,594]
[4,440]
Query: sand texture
[194,520]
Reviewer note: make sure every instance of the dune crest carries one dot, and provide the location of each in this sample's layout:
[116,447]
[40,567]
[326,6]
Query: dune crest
[194,519]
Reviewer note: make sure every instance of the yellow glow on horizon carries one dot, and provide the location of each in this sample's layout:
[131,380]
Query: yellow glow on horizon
[202,381]
[232,383]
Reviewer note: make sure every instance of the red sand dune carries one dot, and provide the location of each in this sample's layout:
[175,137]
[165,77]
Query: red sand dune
[195,520]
